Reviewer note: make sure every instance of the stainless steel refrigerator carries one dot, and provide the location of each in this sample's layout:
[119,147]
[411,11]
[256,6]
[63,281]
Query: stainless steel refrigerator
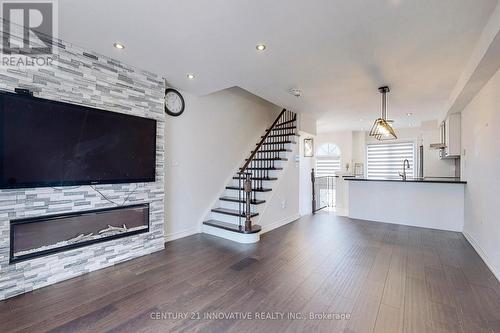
[420,161]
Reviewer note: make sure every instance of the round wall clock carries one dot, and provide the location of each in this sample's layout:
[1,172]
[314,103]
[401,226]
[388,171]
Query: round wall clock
[174,102]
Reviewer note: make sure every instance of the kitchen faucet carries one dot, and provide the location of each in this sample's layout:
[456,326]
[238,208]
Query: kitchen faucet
[405,163]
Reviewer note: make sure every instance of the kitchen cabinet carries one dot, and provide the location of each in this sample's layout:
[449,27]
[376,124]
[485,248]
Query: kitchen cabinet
[451,136]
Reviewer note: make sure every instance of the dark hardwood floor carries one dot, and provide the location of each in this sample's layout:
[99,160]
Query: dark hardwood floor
[380,277]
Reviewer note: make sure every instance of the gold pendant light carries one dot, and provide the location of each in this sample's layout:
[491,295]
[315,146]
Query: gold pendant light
[382,129]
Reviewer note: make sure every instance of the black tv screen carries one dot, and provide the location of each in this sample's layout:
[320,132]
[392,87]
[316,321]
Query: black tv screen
[49,143]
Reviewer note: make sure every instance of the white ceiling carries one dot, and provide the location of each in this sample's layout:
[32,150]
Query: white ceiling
[336,52]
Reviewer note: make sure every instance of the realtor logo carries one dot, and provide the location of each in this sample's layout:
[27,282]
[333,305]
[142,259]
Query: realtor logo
[28,29]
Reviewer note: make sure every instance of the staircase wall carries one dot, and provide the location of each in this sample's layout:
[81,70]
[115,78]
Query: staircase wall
[282,204]
[306,164]
[204,148]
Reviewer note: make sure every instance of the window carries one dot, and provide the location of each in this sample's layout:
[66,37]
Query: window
[386,160]
[327,160]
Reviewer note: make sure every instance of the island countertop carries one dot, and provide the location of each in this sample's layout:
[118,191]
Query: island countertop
[436,203]
[442,180]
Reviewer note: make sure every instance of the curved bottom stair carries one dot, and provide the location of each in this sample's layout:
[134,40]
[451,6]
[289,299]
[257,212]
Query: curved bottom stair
[232,231]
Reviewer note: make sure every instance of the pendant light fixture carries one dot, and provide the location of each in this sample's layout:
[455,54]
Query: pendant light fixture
[382,129]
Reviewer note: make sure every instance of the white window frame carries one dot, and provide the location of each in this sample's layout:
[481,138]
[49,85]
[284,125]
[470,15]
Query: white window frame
[325,157]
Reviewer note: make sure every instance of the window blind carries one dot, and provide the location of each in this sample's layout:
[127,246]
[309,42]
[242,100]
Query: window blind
[386,160]
[327,166]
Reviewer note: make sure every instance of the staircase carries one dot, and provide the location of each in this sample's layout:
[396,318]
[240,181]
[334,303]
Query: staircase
[247,192]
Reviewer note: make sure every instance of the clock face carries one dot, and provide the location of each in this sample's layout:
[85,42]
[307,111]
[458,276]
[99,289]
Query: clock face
[174,102]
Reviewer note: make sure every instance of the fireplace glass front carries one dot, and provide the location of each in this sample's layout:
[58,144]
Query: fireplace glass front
[40,236]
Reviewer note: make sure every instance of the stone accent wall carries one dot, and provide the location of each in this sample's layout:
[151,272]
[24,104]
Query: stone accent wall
[82,77]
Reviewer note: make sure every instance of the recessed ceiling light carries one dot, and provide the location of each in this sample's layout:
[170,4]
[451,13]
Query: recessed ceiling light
[260,47]
[190,76]
[119,46]
[409,114]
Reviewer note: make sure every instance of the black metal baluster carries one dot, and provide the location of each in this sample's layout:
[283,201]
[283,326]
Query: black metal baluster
[240,210]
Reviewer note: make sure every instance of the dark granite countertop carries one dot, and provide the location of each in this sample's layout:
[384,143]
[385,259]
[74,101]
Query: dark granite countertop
[442,180]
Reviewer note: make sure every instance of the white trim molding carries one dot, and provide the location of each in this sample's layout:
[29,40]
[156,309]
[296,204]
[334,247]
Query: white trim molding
[280,223]
[181,234]
[482,254]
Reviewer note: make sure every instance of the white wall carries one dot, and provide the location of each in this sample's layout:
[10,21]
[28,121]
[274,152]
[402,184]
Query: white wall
[480,167]
[307,124]
[204,147]
[359,148]
[282,204]
[306,164]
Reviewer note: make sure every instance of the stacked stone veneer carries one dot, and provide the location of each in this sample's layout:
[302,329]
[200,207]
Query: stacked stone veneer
[83,77]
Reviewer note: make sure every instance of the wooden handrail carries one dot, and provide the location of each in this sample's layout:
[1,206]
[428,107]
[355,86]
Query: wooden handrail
[242,169]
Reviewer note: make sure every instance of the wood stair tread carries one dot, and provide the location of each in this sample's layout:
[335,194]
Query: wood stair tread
[284,128]
[242,200]
[280,135]
[273,150]
[278,142]
[233,227]
[264,168]
[232,212]
[236,188]
[269,159]
[260,178]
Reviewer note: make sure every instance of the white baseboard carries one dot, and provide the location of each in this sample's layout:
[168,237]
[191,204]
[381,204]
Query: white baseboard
[341,211]
[482,254]
[279,223]
[182,234]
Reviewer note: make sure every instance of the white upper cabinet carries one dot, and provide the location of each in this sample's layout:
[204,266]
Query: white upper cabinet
[452,129]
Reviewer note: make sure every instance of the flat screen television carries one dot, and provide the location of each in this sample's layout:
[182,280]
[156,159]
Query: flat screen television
[49,143]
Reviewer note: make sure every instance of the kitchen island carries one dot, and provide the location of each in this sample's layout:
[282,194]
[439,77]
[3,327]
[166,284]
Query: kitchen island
[436,203]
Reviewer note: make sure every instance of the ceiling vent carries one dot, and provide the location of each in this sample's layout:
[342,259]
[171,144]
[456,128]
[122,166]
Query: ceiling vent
[295,92]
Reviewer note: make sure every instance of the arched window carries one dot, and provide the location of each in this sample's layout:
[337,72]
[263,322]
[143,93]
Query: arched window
[328,160]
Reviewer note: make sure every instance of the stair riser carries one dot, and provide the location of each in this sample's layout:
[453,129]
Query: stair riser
[288,136]
[227,218]
[270,173]
[234,193]
[276,164]
[265,183]
[282,154]
[268,145]
[233,205]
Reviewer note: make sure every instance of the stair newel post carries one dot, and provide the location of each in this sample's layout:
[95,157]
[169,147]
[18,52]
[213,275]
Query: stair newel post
[248,199]
[313,178]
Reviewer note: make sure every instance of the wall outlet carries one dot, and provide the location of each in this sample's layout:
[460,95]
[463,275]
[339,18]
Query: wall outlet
[283,204]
